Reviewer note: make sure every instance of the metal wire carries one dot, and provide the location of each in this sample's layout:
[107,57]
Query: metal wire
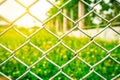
[44,53]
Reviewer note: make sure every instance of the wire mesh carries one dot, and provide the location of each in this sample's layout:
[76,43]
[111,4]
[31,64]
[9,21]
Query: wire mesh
[60,42]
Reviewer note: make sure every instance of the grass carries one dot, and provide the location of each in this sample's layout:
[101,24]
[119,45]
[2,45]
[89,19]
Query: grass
[60,55]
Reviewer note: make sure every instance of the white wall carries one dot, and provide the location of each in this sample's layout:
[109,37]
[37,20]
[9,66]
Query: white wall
[108,34]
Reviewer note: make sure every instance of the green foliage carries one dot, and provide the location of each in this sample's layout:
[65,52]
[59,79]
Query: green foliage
[112,6]
[60,55]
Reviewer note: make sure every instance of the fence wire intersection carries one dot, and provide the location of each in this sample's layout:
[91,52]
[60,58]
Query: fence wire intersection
[44,53]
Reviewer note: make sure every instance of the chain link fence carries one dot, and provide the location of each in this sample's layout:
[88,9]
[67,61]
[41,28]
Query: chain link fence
[44,53]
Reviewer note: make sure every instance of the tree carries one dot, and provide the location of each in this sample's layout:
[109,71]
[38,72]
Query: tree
[88,21]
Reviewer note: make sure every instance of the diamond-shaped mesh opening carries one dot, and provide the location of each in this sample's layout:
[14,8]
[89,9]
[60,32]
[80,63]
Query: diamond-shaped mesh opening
[93,76]
[14,11]
[90,54]
[12,39]
[108,39]
[13,68]
[115,53]
[61,77]
[4,54]
[76,40]
[28,54]
[44,40]
[44,69]
[108,67]
[76,69]
[29,76]
[61,55]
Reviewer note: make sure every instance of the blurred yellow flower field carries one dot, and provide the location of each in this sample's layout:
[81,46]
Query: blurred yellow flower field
[59,55]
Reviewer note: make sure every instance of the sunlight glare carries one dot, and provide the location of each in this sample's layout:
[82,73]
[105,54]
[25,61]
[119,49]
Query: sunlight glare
[11,10]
